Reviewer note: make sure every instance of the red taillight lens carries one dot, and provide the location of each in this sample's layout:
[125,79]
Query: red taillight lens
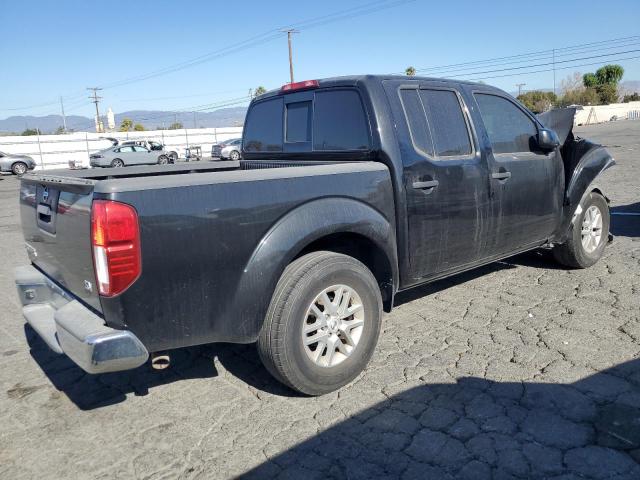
[300,85]
[115,238]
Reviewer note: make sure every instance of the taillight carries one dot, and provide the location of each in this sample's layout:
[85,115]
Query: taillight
[289,87]
[115,238]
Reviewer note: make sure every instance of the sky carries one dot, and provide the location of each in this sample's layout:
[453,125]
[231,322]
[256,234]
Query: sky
[137,50]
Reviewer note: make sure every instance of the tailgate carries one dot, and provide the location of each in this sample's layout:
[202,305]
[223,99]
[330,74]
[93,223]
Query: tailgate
[56,222]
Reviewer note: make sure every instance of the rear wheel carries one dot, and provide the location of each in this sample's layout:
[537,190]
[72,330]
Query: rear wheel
[117,163]
[19,168]
[323,323]
[588,234]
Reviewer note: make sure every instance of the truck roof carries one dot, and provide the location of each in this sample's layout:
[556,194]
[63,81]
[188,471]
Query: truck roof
[353,80]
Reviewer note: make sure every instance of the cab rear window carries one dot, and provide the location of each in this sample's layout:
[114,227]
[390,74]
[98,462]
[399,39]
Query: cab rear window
[324,121]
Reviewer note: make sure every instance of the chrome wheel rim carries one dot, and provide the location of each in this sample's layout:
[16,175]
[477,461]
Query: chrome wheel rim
[163,160]
[591,229]
[118,164]
[333,326]
[19,169]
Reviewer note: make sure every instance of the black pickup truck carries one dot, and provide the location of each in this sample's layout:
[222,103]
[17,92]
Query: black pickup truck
[350,190]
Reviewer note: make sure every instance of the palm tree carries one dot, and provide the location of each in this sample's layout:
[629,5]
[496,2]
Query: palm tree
[410,71]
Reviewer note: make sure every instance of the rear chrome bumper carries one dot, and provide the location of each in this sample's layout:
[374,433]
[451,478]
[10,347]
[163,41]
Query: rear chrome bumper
[68,327]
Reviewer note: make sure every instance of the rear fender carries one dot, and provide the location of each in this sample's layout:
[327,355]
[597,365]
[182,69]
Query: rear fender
[288,237]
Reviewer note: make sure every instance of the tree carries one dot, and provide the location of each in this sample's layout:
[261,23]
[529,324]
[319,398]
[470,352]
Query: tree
[30,131]
[126,125]
[259,91]
[609,74]
[138,127]
[176,126]
[605,82]
[410,71]
[579,96]
[60,130]
[538,101]
[631,97]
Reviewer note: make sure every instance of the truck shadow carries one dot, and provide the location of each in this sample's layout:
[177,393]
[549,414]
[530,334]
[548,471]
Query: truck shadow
[476,428]
[626,225]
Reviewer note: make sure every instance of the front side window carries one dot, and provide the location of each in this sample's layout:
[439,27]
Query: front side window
[339,122]
[510,130]
[263,131]
[138,148]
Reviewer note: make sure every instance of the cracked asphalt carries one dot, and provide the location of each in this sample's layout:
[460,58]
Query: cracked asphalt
[520,369]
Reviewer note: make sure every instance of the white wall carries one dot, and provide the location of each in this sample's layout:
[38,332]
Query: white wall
[55,151]
[603,113]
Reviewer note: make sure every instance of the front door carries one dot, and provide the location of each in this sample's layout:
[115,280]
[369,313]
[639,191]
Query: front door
[143,155]
[444,178]
[526,183]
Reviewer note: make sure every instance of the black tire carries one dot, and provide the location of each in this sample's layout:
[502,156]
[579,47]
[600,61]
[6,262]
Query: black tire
[173,156]
[572,253]
[235,155]
[280,342]
[117,163]
[19,168]
[163,160]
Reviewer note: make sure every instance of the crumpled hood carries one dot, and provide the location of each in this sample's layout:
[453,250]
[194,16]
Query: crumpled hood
[559,120]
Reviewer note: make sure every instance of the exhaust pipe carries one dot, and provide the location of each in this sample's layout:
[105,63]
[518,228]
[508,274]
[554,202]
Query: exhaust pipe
[160,361]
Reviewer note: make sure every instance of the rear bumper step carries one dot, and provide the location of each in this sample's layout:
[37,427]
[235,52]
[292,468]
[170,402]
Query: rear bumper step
[69,327]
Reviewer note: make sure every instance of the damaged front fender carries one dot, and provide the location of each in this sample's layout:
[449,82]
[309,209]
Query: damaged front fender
[583,161]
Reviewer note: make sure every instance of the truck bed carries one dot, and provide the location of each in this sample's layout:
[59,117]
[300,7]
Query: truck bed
[200,226]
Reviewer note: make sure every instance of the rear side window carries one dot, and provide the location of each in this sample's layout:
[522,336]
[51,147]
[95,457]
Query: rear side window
[446,120]
[339,121]
[263,132]
[510,130]
[298,122]
[417,121]
[437,125]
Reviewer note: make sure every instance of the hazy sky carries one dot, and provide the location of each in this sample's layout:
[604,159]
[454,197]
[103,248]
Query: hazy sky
[58,48]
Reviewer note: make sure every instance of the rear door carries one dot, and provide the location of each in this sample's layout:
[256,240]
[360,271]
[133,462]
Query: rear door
[444,178]
[526,183]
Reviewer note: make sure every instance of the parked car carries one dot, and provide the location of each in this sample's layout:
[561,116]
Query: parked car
[15,163]
[126,155]
[155,147]
[229,149]
[350,190]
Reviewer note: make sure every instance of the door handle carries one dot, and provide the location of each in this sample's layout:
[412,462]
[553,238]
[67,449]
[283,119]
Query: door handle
[425,185]
[501,175]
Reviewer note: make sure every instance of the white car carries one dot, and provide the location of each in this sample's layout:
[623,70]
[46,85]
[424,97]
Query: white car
[227,149]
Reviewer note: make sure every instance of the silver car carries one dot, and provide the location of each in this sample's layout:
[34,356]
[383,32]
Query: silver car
[125,155]
[227,149]
[16,164]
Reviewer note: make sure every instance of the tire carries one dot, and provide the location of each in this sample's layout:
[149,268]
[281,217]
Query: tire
[163,160]
[574,253]
[173,156]
[19,168]
[235,155]
[281,342]
[117,163]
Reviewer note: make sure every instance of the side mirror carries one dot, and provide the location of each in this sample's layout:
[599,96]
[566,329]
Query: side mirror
[547,139]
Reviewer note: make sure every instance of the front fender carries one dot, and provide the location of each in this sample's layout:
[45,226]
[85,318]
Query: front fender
[289,236]
[592,160]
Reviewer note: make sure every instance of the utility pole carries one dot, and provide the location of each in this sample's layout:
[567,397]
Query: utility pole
[96,99]
[64,118]
[195,123]
[289,32]
[554,71]
[520,85]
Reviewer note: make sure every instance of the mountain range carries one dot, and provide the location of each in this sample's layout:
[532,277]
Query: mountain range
[150,119]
